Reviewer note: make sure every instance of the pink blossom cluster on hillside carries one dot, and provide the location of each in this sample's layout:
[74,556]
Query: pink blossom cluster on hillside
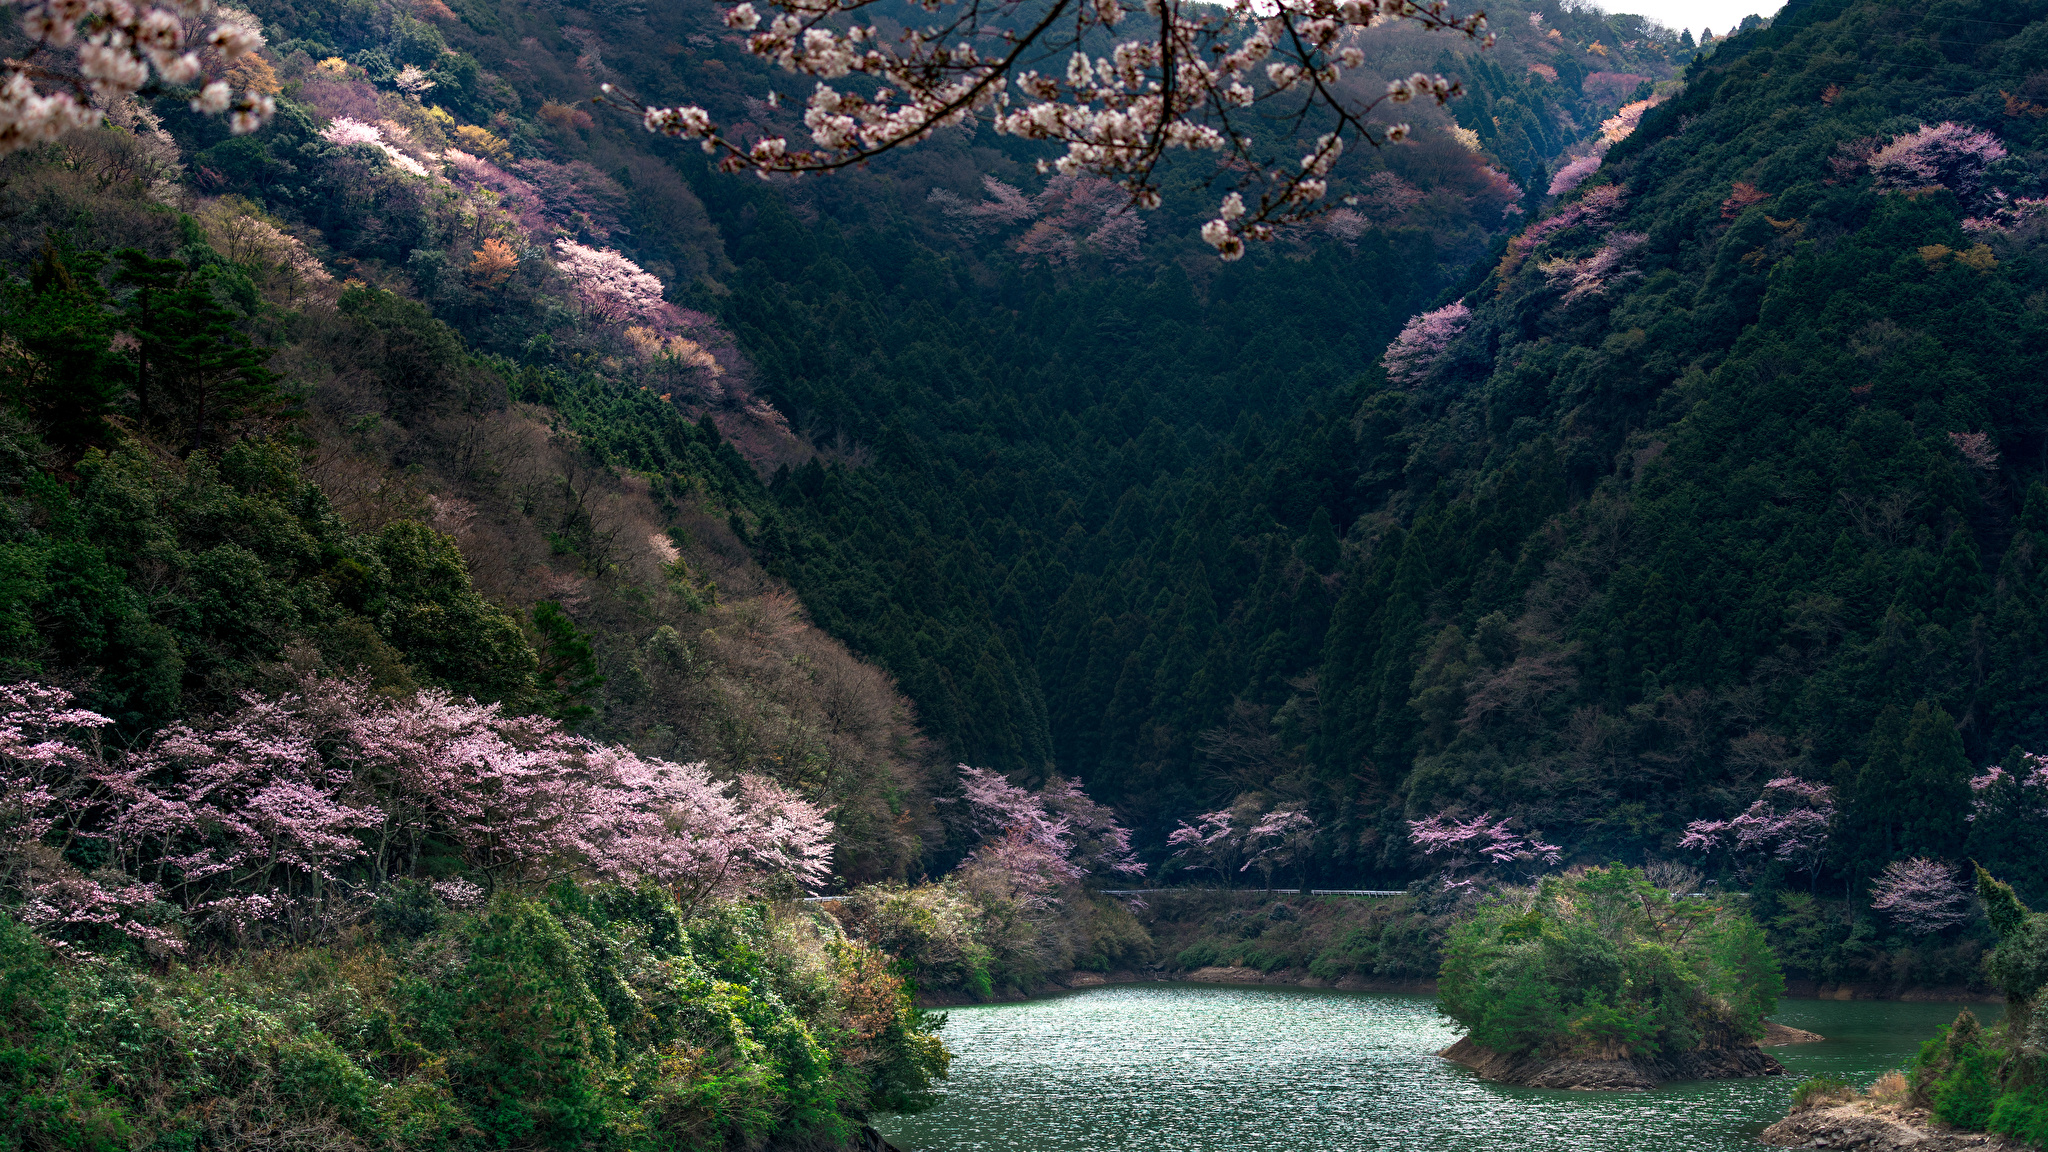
[275,816]
[1923,896]
[1033,843]
[1947,154]
[1228,842]
[1070,215]
[1422,343]
[1596,209]
[1478,845]
[1787,823]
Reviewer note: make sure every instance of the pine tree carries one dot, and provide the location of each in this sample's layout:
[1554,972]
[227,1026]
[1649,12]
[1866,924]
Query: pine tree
[1319,548]
[198,372]
[568,665]
[65,376]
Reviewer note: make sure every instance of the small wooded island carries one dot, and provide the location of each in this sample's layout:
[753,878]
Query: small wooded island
[1599,979]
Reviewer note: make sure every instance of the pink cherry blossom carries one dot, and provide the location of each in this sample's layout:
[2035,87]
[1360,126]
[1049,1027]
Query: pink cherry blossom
[1574,174]
[274,814]
[1946,154]
[1035,842]
[1480,844]
[1788,823]
[1923,896]
[613,288]
[1422,343]
[1184,83]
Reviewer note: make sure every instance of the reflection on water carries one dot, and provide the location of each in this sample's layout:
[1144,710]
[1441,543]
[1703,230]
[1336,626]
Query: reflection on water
[1200,1068]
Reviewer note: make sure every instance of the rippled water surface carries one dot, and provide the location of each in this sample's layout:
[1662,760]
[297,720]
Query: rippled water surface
[1201,1068]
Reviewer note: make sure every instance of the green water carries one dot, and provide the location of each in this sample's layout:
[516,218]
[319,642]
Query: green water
[1201,1068]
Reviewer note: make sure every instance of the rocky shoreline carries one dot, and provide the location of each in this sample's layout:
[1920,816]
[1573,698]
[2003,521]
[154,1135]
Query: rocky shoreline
[1947,994]
[1869,1127]
[1636,1074]
[1296,978]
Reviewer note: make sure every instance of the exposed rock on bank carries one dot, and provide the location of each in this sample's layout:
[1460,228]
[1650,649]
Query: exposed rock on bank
[1867,1127]
[1776,1034]
[1635,1074]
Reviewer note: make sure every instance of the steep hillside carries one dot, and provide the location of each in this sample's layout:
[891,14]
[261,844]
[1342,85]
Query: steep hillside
[885,335]
[1740,446]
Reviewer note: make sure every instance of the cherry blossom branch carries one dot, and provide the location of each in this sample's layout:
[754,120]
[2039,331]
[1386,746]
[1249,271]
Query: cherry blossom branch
[1118,116]
[104,51]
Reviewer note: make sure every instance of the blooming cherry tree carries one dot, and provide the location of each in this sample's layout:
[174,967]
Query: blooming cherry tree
[345,131]
[1924,896]
[1478,845]
[1282,838]
[1213,843]
[1788,823]
[1186,81]
[1947,154]
[275,813]
[1422,342]
[1575,173]
[610,286]
[99,52]
[1037,842]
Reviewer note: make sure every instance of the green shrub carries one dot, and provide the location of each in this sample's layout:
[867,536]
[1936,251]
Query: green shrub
[1819,1090]
[1967,1094]
[1201,954]
[1602,963]
[563,1018]
[2023,1115]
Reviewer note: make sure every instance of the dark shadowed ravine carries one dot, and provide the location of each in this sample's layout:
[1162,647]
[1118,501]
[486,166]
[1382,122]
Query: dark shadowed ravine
[1200,1068]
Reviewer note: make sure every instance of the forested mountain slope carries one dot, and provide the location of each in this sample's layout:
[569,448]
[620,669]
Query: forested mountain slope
[1717,473]
[1779,370]
[913,323]
[1726,477]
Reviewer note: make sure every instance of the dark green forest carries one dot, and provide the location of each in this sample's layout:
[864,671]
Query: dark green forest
[1616,562]
[1750,492]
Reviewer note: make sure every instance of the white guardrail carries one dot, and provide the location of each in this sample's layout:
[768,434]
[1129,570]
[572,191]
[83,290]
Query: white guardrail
[1154,891]
[1268,892]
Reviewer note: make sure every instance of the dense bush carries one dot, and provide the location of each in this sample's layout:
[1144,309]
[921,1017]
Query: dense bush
[556,1018]
[1601,963]
[1991,1079]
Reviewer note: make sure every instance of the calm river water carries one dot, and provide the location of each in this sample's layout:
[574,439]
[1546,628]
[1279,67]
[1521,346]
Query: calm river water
[1202,1068]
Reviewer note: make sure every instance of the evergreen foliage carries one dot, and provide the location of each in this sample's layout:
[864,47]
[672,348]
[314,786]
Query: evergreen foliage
[1990,1079]
[537,1020]
[1600,963]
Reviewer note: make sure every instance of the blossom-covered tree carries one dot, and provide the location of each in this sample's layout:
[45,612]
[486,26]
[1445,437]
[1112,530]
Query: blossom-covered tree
[1468,849]
[1788,823]
[1976,449]
[1946,154]
[101,52]
[1283,838]
[1923,896]
[611,287]
[1037,842]
[1235,840]
[1596,209]
[1186,83]
[345,131]
[1069,213]
[1213,843]
[1575,173]
[1423,341]
[1591,276]
[278,812]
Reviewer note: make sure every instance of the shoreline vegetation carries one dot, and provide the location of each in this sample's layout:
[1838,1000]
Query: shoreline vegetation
[1287,939]
[1969,1086]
